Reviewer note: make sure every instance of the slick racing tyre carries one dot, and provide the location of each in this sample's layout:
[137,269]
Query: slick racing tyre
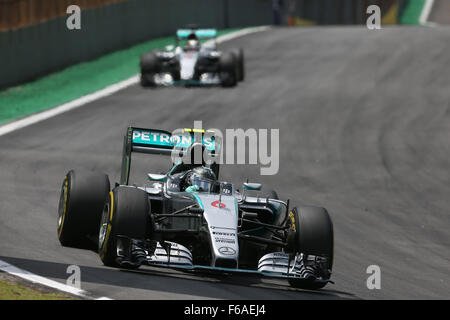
[228,69]
[126,213]
[239,54]
[149,67]
[82,198]
[313,235]
[148,80]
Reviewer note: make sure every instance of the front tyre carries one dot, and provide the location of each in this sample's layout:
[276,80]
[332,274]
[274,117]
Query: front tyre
[148,80]
[239,54]
[228,70]
[313,235]
[82,198]
[126,213]
[149,67]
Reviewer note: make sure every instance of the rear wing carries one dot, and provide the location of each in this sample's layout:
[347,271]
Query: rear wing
[154,141]
[200,33]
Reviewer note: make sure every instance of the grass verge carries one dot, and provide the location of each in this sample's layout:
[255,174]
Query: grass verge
[412,12]
[12,288]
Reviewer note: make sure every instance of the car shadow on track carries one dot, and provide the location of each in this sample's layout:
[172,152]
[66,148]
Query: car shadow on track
[247,281]
[168,281]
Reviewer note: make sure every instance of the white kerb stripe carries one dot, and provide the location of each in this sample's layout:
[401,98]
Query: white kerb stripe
[426,12]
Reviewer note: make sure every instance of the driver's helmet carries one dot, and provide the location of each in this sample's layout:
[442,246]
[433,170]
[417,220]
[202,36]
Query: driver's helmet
[192,41]
[202,178]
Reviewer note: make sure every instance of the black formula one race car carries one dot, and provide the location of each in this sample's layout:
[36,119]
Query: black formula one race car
[190,62]
[188,219]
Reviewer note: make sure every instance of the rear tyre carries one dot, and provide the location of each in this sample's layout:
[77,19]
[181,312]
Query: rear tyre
[82,198]
[125,213]
[313,236]
[228,70]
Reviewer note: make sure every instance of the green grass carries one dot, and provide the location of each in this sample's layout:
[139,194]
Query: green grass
[412,12]
[15,291]
[76,81]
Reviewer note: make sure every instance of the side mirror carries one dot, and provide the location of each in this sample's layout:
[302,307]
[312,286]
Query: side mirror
[252,186]
[157,177]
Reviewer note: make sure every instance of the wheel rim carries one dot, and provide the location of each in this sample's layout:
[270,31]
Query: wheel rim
[62,205]
[103,225]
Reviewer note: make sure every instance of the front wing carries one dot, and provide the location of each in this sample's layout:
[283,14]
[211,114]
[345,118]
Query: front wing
[130,253]
[166,80]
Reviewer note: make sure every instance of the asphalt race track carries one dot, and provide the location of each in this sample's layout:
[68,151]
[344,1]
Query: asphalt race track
[364,119]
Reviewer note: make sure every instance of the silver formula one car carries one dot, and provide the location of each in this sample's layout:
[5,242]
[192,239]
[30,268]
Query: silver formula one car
[189,62]
[188,219]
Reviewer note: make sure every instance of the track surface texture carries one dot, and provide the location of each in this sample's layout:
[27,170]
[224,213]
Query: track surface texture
[364,118]
[440,12]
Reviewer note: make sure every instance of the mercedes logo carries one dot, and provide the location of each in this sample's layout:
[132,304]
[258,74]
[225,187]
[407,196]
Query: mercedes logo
[227,251]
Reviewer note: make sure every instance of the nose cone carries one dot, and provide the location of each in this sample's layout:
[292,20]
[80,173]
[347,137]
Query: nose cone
[221,215]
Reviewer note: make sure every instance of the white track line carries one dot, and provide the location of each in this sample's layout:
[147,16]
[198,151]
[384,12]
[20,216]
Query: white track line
[240,33]
[41,116]
[423,20]
[13,270]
